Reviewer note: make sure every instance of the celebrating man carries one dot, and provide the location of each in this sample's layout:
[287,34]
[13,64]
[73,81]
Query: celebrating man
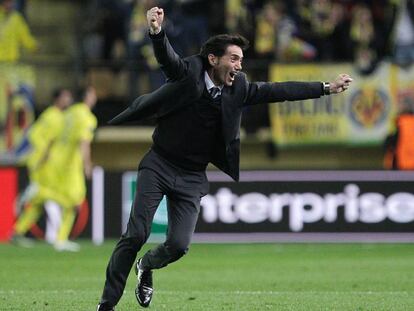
[198,112]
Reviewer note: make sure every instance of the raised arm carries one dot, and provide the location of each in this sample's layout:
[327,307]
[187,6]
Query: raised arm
[171,63]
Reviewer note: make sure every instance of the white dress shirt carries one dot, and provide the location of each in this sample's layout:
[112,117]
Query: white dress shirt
[210,84]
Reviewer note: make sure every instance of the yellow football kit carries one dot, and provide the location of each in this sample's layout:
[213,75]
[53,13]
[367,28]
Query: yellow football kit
[43,182]
[66,158]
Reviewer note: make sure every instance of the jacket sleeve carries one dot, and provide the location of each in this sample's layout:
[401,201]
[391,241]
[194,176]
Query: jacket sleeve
[270,92]
[140,109]
[173,66]
[153,105]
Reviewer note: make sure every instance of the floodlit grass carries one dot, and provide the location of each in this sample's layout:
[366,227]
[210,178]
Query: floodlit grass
[355,277]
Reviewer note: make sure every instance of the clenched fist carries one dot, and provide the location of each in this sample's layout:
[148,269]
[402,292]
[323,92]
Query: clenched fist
[155,17]
[340,84]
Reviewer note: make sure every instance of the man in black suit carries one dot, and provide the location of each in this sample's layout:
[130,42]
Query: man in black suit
[198,112]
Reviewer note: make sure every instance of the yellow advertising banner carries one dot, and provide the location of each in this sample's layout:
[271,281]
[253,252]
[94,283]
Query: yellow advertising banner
[362,115]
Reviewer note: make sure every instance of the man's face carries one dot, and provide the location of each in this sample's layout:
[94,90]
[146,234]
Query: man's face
[65,99]
[227,66]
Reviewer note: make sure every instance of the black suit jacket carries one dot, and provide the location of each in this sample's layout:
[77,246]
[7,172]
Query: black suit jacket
[185,85]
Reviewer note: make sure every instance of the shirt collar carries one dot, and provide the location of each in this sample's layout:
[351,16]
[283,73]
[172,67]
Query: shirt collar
[210,84]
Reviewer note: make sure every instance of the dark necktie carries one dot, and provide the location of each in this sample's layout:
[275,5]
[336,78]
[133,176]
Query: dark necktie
[214,91]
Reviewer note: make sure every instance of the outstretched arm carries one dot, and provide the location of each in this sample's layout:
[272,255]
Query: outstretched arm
[171,63]
[269,92]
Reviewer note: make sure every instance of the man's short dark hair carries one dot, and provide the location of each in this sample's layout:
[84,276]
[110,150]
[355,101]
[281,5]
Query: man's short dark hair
[217,45]
[57,92]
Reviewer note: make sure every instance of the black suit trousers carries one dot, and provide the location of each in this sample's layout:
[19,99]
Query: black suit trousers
[183,189]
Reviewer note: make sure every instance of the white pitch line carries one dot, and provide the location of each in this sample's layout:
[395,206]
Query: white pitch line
[237,292]
[171,292]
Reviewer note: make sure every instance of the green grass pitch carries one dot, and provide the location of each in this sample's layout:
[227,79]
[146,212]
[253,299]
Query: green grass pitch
[219,277]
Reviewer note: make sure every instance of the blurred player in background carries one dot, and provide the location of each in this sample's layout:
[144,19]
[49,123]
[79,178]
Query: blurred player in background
[42,137]
[71,161]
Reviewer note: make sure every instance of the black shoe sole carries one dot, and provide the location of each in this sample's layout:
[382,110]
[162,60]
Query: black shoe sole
[139,301]
[136,289]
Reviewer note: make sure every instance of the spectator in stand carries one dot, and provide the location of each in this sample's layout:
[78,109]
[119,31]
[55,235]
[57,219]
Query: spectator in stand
[239,18]
[265,44]
[195,24]
[321,26]
[403,42]
[300,11]
[113,16]
[276,36]
[384,14]
[364,39]
[340,35]
[15,33]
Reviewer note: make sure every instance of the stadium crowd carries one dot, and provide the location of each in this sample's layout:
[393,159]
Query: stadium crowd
[279,30]
[301,31]
[363,32]
[114,36]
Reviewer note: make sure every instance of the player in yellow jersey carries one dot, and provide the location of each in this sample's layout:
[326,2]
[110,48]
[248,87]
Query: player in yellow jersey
[42,137]
[71,157]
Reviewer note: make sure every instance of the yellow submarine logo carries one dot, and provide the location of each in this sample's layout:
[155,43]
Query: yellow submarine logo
[369,107]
